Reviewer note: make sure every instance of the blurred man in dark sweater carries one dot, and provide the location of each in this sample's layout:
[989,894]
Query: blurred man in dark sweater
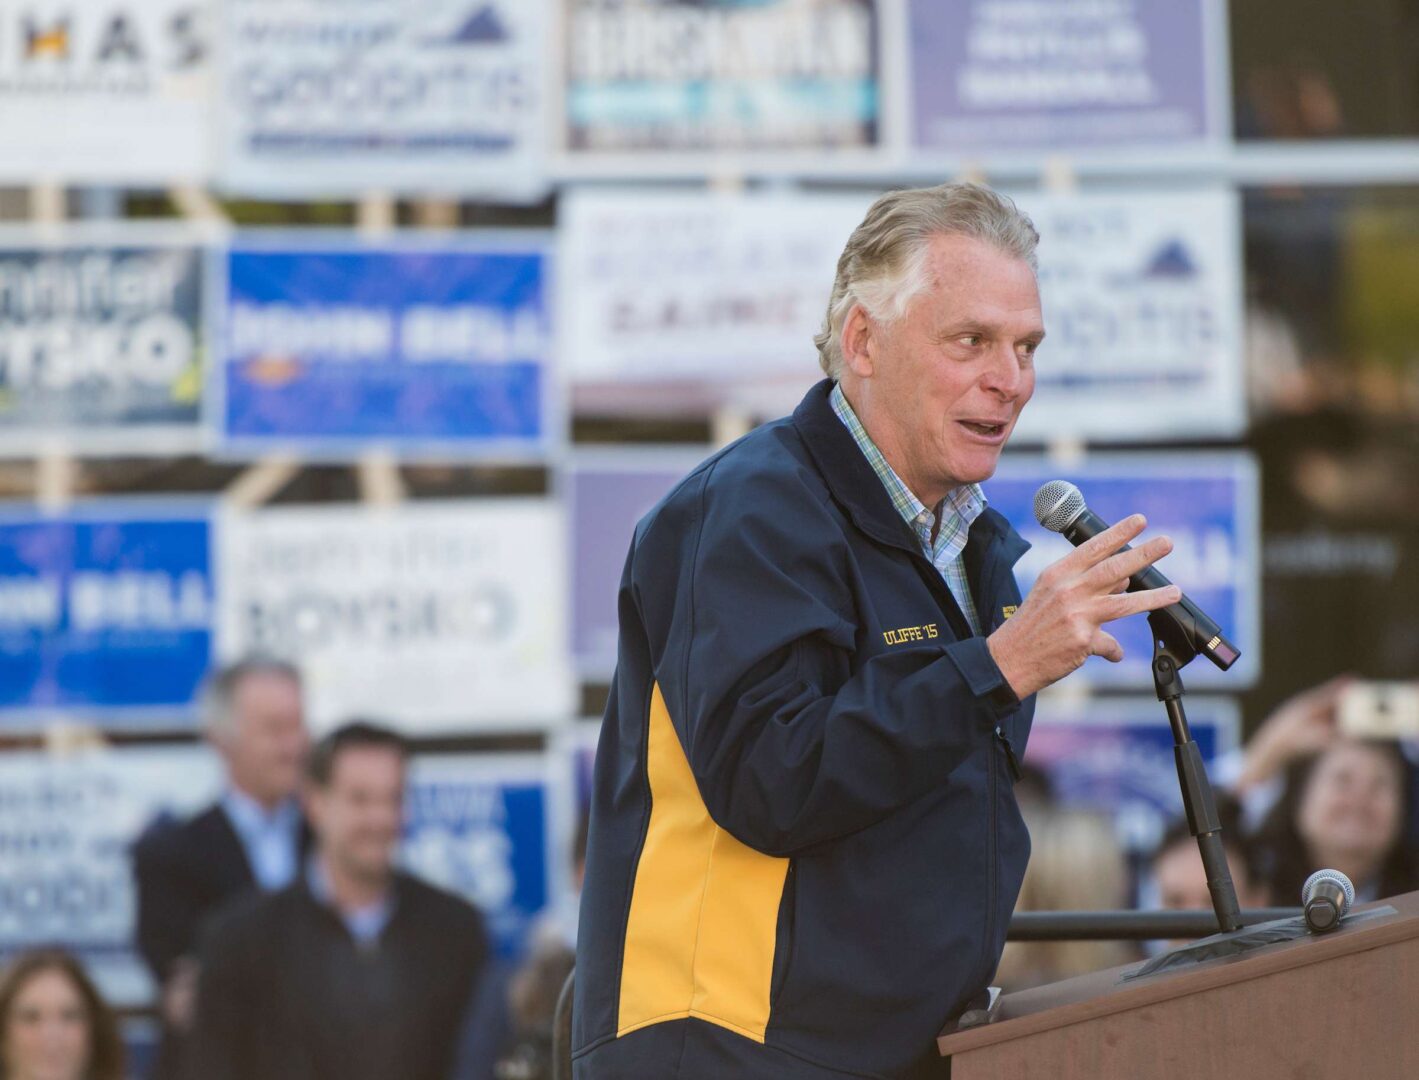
[354,972]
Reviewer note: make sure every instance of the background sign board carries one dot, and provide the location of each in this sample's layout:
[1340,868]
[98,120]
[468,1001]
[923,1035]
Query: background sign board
[689,303]
[1142,297]
[607,494]
[481,826]
[101,340]
[445,616]
[1064,75]
[67,825]
[1115,754]
[105,612]
[657,76]
[417,347]
[321,99]
[105,91]
[1208,504]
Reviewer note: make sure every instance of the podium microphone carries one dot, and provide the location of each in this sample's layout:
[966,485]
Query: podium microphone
[1326,897]
[1060,508]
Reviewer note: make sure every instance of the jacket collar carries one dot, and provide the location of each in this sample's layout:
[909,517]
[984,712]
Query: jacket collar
[859,490]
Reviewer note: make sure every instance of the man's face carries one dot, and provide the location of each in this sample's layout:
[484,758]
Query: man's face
[265,742]
[945,383]
[359,815]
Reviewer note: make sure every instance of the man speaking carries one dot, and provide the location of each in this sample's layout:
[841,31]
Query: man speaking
[804,845]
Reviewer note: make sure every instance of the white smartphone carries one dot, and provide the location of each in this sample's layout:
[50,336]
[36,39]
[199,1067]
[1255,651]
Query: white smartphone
[1380,710]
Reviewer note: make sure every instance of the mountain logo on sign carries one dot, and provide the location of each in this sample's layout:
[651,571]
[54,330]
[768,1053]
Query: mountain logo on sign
[483,27]
[1171,261]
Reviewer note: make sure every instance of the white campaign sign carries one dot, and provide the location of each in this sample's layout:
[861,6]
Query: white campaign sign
[695,301]
[322,98]
[66,825]
[435,617]
[105,91]
[1142,298]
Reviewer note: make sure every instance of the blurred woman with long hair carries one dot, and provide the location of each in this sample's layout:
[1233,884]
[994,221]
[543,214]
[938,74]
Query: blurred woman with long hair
[1344,808]
[53,1023]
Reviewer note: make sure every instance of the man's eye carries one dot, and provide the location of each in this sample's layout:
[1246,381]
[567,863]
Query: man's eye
[972,339]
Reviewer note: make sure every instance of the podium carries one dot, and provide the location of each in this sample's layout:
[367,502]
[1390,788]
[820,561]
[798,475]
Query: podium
[1341,1004]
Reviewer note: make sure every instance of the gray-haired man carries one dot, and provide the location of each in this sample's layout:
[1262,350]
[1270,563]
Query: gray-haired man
[251,838]
[804,847]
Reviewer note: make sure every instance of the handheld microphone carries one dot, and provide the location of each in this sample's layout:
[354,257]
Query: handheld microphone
[1060,508]
[1326,897]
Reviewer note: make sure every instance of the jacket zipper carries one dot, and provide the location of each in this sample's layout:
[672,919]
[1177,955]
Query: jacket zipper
[993,872]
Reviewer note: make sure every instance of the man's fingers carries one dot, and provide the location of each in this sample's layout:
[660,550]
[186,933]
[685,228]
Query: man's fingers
[1127,563]
[1107,646]
[1121,585]
[1092,552]
[1123,604]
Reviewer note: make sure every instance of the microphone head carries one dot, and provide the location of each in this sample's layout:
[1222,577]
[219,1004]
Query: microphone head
[1308,890]
[1057,504]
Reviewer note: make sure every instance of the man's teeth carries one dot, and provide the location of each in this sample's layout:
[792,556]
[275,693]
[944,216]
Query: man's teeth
[984,429]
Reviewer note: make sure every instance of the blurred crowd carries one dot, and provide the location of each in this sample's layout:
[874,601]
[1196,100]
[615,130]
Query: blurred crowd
[287,942]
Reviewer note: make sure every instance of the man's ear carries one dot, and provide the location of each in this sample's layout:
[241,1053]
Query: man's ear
[858,342]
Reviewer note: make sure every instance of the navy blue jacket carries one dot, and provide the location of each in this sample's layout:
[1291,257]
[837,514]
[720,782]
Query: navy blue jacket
[804,846]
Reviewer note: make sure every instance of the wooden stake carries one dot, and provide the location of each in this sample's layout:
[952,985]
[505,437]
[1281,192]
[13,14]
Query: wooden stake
[262,481]
[55,473]
[436,213]
[728,424]
[377,214]
[380,481]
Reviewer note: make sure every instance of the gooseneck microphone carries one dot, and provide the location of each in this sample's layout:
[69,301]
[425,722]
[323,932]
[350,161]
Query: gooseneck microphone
[1326,897]
[1060,508]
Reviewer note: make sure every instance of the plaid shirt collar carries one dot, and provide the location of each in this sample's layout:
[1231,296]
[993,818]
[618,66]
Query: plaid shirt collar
[964,503]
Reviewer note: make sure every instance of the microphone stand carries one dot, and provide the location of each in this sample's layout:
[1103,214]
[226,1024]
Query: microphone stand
[1172,651]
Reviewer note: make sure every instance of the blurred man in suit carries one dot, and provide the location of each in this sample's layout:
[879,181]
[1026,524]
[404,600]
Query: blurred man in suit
[251,838]
[356,971]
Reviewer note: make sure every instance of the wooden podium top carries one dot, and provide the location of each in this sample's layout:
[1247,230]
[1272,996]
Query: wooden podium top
[1101,993]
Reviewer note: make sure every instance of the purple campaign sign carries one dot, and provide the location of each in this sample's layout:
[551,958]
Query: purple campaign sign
[1116,755]
[1206,502]
[609,494]
[1006,75]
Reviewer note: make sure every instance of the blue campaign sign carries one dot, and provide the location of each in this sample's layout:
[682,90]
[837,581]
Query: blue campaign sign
[105,611]
[444,349]
[1208,504]
[1116,755]
[479,826]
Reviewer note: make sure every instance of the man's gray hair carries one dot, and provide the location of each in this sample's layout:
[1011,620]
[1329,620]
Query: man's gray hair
[221,687]
[884,263]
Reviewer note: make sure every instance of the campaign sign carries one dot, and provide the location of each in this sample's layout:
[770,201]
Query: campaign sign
[479,826]
[1064,75]
[721,75]
[321,99]
[1142,299]
[105,91]
[1116,755]
[608,493]
[419,348]
[100,342]
[104,612]
[66,826]
[690,303]
[1207,503]
[442,616]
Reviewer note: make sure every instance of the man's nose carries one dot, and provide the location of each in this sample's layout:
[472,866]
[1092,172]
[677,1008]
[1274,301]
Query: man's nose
[1002,375]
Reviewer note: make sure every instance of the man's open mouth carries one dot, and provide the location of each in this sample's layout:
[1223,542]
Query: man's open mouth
[982,428]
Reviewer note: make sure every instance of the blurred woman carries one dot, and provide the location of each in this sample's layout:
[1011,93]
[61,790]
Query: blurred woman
[1076,864]
[53,1024]
[1344,809]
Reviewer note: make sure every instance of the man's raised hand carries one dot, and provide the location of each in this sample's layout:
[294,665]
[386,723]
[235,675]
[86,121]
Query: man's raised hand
[1058,626]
